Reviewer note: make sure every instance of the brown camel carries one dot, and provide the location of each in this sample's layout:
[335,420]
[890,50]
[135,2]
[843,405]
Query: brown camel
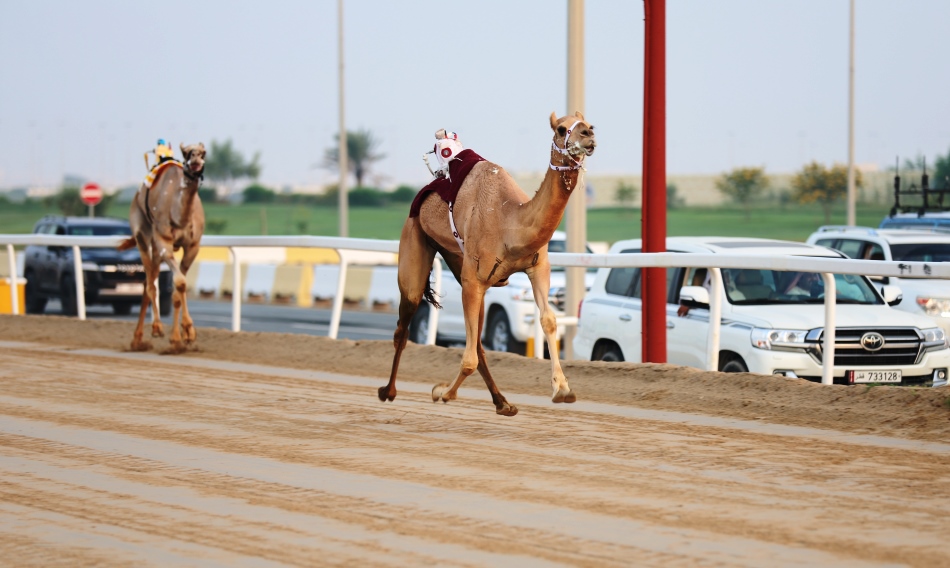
[502,232]
[167,216]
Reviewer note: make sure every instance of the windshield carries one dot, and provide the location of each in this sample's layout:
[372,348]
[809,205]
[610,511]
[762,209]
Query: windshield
[747,287]
[99,230]
[922,252]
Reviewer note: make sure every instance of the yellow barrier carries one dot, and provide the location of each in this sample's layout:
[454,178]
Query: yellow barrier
[6,302]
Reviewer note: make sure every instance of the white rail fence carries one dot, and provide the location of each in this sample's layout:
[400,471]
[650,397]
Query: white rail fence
[824,266]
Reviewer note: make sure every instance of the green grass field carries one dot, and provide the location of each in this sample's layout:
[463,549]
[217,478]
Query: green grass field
[793,222]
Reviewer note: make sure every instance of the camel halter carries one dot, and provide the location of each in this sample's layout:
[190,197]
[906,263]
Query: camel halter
[564,151]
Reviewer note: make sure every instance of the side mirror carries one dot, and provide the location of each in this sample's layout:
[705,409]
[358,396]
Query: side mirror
[892,295]
[880,279]
[694,297]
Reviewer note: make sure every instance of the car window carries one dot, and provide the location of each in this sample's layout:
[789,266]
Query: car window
[852,248]
[620,281]
[40,229]
[99,230]
[561,246]
[670,276]
[830,243]
[921,252]
[758,287]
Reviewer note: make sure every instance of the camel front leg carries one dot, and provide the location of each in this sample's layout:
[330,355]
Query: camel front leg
[166,252]
[187,324]
[501,405]
[473,307]
[540,285]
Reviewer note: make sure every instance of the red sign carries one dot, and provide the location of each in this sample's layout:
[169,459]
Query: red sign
[91,193]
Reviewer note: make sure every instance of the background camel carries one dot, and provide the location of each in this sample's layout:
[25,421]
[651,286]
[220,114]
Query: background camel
[502,232]
[165,217]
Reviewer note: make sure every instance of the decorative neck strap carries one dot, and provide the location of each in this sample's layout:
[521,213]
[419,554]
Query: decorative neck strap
[564,151]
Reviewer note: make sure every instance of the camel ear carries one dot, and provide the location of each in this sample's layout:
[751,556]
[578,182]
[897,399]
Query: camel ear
[184,151]
[553,121]
[579,115]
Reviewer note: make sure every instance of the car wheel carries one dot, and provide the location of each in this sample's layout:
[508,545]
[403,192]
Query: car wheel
[164,304]
[419,326]
[35,303]
[733,364]
[609,352]
[122,308]
[68,296]
[498,335]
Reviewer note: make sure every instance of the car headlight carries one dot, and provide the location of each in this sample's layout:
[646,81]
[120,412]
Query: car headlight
[934,307]
[934,339]
[90,266]
[521,294]
[778,338]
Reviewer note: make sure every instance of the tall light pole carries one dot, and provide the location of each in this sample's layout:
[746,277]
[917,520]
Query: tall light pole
[851,189]
[577,205]
[344,201]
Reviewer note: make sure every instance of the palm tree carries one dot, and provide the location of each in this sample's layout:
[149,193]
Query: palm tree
[360,151]
[226,164]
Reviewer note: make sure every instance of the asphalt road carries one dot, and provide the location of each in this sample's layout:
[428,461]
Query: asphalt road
[354,324]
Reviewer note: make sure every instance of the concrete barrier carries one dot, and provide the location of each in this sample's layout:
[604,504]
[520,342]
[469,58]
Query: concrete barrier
[292,284]
[383,288]
[259,282]
[209,275]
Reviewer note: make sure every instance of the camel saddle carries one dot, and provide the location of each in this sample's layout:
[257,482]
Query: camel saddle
[153,174]
[447,188]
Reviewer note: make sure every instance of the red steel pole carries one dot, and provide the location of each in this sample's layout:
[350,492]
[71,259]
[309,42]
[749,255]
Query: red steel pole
[654,180]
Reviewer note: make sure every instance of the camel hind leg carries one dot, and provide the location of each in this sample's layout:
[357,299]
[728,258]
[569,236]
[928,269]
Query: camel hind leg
[148,299]
[415,263]
[188,330]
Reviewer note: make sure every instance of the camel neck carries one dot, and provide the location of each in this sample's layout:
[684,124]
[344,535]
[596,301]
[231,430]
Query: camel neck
[546,208]
[189,190]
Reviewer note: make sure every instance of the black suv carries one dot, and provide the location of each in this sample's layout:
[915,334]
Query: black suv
[110,276]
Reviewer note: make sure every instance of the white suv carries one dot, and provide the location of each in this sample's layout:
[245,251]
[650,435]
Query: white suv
[509,310]
[772,321]
[921,295]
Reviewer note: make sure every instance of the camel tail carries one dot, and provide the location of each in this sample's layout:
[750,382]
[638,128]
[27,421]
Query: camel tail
[126,244]
[429,296]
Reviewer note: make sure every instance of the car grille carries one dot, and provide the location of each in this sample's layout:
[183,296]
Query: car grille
[901,347]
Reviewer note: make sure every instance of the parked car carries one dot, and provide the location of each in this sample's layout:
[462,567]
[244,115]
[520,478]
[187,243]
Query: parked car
[110,276]
[921,295]
[509,310]
[772,321]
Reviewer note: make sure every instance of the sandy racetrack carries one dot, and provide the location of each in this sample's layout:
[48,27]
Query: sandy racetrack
[273,448]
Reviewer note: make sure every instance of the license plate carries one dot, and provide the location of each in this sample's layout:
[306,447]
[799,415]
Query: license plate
[876,377]
[130,288]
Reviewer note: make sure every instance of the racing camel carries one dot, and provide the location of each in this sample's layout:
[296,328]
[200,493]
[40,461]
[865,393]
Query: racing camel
[499,231]
[166,215]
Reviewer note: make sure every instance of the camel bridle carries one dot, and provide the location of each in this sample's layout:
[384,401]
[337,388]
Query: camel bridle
[566,151]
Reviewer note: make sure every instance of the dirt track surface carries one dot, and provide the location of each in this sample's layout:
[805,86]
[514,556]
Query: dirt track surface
[270,449]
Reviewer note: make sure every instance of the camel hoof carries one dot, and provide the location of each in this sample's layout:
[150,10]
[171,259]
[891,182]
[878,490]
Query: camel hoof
[437,392]
[190,334]
[564,396]
[140,346]
[158,331]
[384,394]
[507,409]
[174,348]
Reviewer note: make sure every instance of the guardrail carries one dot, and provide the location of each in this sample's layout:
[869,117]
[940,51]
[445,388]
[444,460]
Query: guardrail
[827,267]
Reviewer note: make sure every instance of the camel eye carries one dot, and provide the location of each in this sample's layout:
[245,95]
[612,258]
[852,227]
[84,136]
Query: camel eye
[585,132]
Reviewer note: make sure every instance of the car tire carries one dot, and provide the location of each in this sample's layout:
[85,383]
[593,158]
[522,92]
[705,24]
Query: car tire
[122,308]
[164,304]
[419,326]
[609,352]
[498,336]
[35,303]
[67,296]
[732,364]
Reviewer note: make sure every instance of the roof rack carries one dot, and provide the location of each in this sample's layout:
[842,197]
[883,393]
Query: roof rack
[924,190]
[851,228]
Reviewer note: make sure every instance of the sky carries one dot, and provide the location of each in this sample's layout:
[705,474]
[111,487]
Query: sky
[87,87]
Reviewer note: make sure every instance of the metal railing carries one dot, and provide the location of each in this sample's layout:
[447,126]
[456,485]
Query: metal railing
[827,267]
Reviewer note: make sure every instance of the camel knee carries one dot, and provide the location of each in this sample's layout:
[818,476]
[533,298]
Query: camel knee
[548,322]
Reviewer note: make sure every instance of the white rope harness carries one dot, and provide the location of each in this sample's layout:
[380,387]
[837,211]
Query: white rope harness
[455,232]
[564,151]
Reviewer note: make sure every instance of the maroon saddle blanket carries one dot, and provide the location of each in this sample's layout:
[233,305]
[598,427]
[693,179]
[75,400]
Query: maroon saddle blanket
[447,188]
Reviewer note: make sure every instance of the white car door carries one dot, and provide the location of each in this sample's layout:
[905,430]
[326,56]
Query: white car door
[451,319]
[685,334]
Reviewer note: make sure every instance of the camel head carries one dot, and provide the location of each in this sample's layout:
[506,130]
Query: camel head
[574,135]
[194,157]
